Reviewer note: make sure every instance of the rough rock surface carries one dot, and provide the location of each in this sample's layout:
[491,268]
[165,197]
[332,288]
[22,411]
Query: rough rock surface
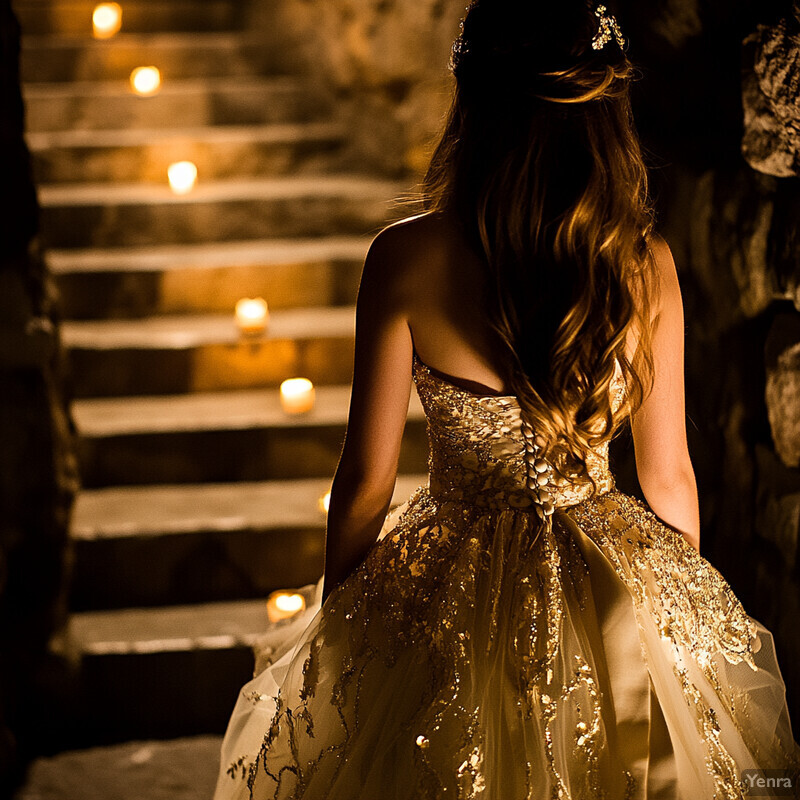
[783,387]
[383,61]
[37,465]
[771,87]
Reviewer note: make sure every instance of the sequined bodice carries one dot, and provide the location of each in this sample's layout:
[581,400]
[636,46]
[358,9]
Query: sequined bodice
[477,449]
[476,654]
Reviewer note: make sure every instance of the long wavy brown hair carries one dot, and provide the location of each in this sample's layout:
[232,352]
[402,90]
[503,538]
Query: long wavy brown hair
[540,161]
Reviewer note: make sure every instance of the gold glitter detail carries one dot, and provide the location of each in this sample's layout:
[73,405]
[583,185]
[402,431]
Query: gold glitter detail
[474,599]
[608,29]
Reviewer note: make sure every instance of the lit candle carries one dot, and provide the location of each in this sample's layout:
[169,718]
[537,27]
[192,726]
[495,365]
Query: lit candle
[145,80]
[284,605]
[297,395]
[182,176]
[325,502]
[106,20]
[252,315]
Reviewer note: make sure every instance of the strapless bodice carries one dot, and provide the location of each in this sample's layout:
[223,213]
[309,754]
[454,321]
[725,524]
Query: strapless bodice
[477,449]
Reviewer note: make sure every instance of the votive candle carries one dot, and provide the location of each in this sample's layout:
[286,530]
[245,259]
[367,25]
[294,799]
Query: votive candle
[297,395]
[284,605]
[252,315]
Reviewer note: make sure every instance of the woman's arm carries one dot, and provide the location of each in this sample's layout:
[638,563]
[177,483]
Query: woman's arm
[365,477]
[659,426]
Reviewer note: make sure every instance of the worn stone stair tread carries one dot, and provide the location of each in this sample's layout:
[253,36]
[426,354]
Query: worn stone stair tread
[173,769]
[75,17]
[194,330]
[221,151]
[237,99]
[206,134]
[188,40]
[280,188]
[202,542]
[204,626]
[177,87]
[116,214]
[212,411]
[165,43]
[148,511]
[211,255]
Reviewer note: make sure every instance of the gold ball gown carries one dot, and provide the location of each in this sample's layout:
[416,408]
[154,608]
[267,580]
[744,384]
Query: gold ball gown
[510,636]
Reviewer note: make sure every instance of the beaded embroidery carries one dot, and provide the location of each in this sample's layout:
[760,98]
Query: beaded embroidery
[482,564]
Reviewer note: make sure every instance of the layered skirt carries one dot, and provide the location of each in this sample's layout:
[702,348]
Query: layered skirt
[487,653]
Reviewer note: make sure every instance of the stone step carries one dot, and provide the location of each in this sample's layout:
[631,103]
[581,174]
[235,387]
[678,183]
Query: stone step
[222,437]
[199,543]
[74,17]
[115,215]
[182,279]
[58,59]
[176,769]
[139,155]
[194,102]
[175,354]
[166,672]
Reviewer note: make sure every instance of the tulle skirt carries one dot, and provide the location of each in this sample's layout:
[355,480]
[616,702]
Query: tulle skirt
[485,653]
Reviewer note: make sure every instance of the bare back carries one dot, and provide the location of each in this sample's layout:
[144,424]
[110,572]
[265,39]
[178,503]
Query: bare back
[446,307]
[423,291]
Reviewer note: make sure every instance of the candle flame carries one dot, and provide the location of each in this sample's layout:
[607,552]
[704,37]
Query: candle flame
[146,81]
[282,605]
[292,387]
[251,309]
[182,176]
[291,603]
[297,395]
[106,20]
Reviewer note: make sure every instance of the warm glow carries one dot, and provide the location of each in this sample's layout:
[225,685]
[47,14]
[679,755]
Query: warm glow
[325,502]
[252,315]
[182,176]
[145,80]
[283,605]
[106,20]
[297,395]
[291,603]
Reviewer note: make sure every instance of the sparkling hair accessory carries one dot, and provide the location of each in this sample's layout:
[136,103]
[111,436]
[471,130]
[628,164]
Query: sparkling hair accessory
[609,28]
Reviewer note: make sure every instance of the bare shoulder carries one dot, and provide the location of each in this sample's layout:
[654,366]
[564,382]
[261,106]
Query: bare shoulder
[422,236]
[665,272]
[662,254]
[408,252]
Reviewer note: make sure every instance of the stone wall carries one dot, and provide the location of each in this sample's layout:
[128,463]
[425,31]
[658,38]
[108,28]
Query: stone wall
[728,203]
[728,197]
[382,62]
[37,464]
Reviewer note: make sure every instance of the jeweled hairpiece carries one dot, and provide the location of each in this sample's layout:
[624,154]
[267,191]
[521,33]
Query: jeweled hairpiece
[609,28]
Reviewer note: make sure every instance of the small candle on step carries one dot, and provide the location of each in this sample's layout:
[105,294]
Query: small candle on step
[284,605]
[182,176]
[106,20]
[146,81]
[297,395]
[252,315]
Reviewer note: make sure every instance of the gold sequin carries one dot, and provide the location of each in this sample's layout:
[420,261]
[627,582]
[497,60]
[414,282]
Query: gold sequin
[474,598]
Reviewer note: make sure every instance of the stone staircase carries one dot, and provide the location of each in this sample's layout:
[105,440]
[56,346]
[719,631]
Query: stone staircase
[200,495]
